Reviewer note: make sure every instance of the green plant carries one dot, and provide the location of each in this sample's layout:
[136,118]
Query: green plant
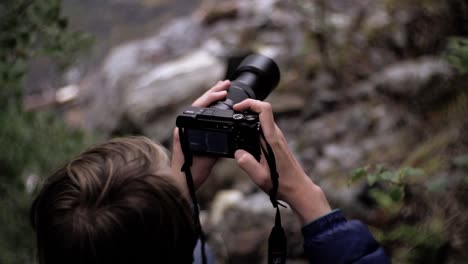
[391,191]
[32,143]
[422,241]
[457,53]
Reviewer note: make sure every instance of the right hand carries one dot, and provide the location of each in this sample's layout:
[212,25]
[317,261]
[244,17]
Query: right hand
[295,187]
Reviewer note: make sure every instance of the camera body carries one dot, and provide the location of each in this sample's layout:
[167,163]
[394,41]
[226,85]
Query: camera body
[220,132]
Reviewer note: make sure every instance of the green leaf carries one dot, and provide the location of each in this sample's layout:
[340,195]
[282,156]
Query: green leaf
[397,193]
[457,53]
[372,179]
[383,199]
[413,172]
[388,176]
[380,168]
[358,174]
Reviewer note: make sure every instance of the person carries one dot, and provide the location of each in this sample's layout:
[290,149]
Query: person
[124,201]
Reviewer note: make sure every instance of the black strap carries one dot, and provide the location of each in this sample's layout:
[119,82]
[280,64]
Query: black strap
[188,161]
[277,244]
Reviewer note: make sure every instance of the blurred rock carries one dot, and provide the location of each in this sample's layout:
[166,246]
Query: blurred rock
[286,103]
[143,84]
[245,226]
[67,94]
[343,155]
[423,82]
[346,199]
[323,101]
[350,123]
[222,202]
[178,37]
[170,86]
[226,175]
[266,26]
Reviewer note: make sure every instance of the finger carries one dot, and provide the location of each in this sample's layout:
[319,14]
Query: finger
[177,155]
[220,86]
[209,98]
[201,166]
[253,168]
[264,110]
[176,164]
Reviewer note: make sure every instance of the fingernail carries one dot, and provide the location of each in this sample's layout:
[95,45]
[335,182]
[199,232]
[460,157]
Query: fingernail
[238,154]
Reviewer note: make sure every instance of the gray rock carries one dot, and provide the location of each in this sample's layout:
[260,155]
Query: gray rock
[323,101]
[225,175]
[105,98]
[422,82]
[346,199]
[169,86]
[284,103]
[222,202]
[144,83]
[242,224]
[343,155]
[349,123]
[271,27]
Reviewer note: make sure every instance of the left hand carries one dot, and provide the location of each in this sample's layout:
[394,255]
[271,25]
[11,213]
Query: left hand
[201,166]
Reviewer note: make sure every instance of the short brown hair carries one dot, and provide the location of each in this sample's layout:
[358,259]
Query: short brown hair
[114,203]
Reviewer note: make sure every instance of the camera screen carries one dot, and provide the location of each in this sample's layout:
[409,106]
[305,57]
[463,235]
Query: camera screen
[208,141]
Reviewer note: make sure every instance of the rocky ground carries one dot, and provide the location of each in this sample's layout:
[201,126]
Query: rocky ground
[363,83]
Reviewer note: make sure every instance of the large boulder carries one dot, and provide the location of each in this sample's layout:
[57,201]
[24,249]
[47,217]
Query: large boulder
[143,84]
[423,82]
[152,100]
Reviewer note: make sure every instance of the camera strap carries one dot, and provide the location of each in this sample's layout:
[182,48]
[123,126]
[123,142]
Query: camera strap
[277,244]
[188,161]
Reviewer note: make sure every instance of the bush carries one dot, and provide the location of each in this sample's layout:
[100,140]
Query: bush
[32,143]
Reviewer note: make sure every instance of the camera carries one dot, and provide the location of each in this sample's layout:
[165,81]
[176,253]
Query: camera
[219,130]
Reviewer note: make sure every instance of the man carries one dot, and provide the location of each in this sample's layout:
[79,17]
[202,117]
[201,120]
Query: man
[122,202]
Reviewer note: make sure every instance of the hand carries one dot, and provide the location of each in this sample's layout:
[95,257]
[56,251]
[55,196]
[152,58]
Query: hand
[295,187]
[201,166]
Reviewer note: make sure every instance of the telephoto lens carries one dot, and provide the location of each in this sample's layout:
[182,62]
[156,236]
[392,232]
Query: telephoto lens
[255,78]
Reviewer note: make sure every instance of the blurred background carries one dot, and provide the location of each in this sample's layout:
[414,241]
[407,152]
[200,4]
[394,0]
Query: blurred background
[373,101]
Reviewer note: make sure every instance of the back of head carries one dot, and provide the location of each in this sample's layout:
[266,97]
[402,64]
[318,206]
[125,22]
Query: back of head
[114,203]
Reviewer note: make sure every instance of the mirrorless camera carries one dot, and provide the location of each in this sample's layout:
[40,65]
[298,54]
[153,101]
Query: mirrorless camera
[219,130]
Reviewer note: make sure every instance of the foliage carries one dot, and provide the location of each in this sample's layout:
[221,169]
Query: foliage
[32,143]
[457,53]
[387,187]
[412,239]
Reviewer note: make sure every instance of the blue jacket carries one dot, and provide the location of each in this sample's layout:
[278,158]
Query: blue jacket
[333,239]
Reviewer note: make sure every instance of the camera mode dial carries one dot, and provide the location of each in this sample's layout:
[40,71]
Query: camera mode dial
[238,116]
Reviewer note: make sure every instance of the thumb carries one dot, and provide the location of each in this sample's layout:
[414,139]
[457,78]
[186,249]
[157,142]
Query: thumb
[256,171]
